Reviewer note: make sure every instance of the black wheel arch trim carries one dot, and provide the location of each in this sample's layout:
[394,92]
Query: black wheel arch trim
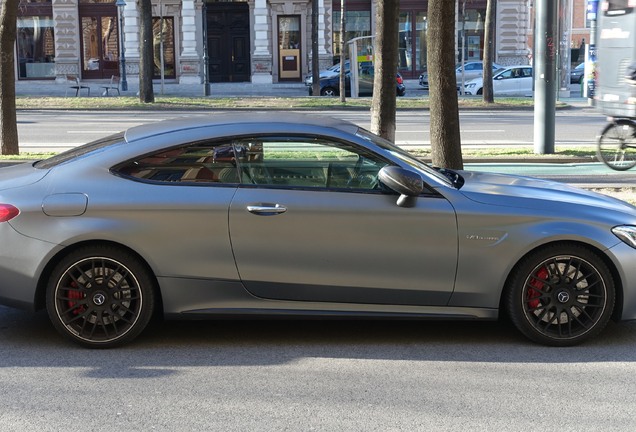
[39,301]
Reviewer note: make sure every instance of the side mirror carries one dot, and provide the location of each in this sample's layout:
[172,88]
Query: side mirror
[407,183]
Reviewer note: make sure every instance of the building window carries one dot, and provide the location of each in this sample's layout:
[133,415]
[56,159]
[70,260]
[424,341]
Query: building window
[35,47]
[358,24]
[163,37]
[471,39]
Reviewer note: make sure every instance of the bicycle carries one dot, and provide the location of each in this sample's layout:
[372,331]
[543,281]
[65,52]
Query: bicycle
[616,145]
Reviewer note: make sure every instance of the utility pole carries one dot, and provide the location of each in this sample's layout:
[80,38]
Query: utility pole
[544,71]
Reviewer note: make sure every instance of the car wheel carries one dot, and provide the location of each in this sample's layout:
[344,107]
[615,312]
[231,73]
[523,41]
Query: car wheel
[561,295]
[480,92]
[100,296]
[328,91]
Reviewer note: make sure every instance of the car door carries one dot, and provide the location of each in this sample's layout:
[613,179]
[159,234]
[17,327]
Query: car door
[504,83]
[314,225]
[525,82]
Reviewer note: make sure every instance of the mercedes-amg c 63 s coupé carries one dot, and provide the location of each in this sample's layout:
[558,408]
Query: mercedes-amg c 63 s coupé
[278,214]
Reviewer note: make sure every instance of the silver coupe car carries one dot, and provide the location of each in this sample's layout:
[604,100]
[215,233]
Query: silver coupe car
[279,214]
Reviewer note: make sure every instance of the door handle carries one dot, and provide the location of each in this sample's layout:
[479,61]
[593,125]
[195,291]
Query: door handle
[266,209]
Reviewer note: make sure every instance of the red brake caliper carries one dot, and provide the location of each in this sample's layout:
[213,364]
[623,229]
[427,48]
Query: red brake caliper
[535,294]
[75,295]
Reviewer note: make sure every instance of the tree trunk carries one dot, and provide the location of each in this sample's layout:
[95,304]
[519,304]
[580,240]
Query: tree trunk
[146,52]
[8,122]
[488,93]
[383,105]
[446,150]
[315,59]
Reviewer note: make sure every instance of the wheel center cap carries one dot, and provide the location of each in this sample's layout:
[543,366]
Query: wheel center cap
[99,299]
[563,296]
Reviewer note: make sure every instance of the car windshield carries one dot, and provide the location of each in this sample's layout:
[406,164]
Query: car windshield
[77,152]
[403,155]
[498,71]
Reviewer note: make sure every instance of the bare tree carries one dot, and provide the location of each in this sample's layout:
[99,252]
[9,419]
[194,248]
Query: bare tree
[383,105]
[8,122]
[488,92]
[146,52]
[446,149]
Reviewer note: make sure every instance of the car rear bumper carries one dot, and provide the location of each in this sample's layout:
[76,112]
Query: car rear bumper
[21,263]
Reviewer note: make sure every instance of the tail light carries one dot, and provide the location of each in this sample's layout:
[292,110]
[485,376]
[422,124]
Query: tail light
[8,212]
[399,79]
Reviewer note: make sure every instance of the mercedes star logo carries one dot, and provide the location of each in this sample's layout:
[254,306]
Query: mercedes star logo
[99,299]
[563,297]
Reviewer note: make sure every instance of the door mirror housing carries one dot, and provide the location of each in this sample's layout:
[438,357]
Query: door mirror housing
[407,183]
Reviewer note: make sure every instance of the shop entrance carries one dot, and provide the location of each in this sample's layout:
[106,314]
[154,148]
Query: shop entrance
[228,42]
[99,39]
[289,48]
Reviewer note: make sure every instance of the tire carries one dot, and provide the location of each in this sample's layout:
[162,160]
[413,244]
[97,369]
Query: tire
[616,145]
[328,91]
[100,296]
[560,295]
[480,92]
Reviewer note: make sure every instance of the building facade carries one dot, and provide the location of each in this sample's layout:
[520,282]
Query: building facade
[258,41]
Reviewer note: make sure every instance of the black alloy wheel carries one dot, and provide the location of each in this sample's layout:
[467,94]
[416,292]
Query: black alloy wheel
[100,296]
[561,295]
[328,91]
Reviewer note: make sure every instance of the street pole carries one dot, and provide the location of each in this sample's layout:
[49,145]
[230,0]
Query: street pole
[206,78]
[122,51]
[544,71]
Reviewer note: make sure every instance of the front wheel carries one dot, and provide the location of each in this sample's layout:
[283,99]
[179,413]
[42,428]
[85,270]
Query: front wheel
[616,146]
[561,295]
[100,296]
[328,91]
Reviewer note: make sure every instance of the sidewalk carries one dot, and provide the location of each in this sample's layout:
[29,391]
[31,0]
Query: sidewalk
[217,90]
[53,89]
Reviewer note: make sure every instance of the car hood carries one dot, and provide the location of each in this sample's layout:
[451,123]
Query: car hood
[20,175]
[527,192]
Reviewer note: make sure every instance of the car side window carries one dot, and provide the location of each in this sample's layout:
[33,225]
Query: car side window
[304,162]
[506,74]
[201,162]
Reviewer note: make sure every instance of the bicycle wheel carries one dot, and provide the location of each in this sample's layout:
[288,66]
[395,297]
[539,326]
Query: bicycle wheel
[616,146]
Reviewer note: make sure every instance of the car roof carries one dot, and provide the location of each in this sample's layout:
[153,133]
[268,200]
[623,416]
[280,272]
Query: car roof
[242,121]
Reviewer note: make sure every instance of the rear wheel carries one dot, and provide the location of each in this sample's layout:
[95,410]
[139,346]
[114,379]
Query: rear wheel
[100,296]
[561,295]
[617,145]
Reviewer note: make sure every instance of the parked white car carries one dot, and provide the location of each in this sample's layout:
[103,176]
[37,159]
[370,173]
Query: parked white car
[472,69]
[507,81]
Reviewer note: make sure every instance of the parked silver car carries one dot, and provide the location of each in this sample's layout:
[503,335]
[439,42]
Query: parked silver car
[292,215]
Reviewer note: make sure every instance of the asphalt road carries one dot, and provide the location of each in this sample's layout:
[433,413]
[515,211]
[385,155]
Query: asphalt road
[58,130]
[315,376]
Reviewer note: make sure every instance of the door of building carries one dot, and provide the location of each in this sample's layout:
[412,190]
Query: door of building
[99,39]
[228,42]
[289,48]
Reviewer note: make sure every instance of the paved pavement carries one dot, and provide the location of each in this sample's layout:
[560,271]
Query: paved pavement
[60,89]
[244,89]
